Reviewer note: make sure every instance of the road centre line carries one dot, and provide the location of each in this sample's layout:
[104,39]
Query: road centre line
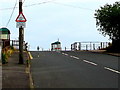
[90,62]
[66,54]
[71,56]
[112,70]
[38,56]
[75,57]
[93,63]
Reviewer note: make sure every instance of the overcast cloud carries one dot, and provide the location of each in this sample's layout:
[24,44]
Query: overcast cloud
[68,20]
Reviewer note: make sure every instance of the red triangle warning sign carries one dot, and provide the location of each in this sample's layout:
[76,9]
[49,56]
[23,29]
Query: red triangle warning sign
[21,18]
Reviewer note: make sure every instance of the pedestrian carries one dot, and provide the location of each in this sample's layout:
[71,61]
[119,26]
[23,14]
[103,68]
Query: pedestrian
[26,46]
[38,48]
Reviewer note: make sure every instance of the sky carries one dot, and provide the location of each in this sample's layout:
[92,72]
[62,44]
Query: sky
[49,20]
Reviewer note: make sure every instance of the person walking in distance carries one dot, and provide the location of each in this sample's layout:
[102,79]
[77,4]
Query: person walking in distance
[38,50]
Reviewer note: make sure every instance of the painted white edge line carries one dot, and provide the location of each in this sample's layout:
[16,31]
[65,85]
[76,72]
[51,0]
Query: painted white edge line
[90,62]
[112,70]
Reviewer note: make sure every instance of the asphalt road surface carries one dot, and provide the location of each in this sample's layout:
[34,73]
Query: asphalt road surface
[74,70]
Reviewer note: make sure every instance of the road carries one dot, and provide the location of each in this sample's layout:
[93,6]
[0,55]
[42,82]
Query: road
[74,70]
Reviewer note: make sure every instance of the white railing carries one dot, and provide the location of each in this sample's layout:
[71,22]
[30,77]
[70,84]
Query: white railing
[89,45]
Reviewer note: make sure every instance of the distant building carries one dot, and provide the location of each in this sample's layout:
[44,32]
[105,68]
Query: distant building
[5,37]
[56,46]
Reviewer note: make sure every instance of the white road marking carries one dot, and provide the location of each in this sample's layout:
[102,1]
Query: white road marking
[94,64]
[90,62]
[71,56]
[112,70]
[75,57]
[66,54]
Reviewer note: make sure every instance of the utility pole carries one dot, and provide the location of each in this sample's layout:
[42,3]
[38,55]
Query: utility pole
[21,36]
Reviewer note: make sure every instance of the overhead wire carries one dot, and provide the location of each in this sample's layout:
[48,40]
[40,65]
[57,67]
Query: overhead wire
[11,7]
[28,5]
[6,8]
[17,7]
[38,3]
[72,6]
[11,13]
[53,1]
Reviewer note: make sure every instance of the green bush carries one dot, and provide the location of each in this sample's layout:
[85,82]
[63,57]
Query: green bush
[4,58]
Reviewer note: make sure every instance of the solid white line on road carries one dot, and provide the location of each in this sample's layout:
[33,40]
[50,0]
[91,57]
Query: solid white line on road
[90,62]
[112,70]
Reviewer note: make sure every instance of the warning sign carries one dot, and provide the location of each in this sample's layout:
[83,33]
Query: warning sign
[21,18]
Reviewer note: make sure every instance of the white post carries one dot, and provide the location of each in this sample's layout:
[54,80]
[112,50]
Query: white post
[0,67]
[0,52]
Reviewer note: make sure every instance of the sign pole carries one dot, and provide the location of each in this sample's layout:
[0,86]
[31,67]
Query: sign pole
[21,37]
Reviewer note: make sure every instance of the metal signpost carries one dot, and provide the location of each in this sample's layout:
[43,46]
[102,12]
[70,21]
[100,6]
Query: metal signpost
[21,25]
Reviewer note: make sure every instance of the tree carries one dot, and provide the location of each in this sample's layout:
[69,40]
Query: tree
[108,23]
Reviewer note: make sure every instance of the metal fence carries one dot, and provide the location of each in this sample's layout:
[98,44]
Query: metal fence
[15,44]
